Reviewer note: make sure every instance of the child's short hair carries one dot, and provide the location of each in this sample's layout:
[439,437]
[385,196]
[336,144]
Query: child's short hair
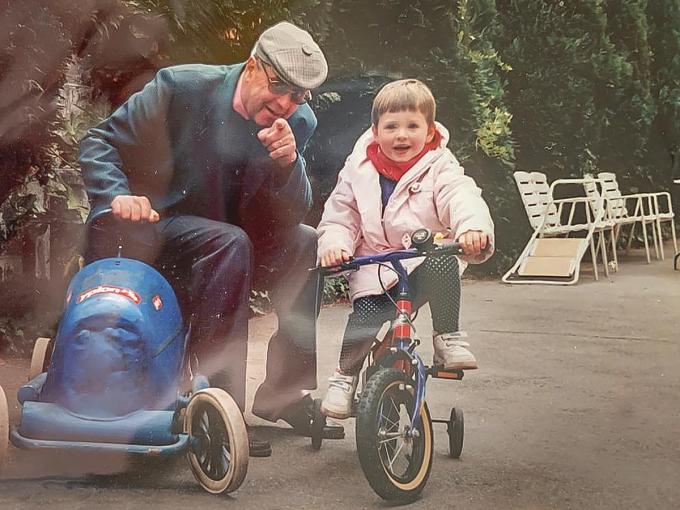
[403,95]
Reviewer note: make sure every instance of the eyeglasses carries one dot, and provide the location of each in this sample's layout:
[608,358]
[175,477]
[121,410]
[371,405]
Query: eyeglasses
[280,88]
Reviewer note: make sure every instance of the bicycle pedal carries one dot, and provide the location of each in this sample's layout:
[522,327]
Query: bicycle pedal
[440,372]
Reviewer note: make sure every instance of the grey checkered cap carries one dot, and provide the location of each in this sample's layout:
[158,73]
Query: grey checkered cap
[293,54]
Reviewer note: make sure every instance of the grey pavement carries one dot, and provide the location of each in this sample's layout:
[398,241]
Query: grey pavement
[576,405]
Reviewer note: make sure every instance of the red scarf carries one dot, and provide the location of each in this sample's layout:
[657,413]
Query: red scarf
[395,170]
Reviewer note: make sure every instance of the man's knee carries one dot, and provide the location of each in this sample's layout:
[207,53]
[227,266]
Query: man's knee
[307,239]
[232,240]
[226,251]
[308,236]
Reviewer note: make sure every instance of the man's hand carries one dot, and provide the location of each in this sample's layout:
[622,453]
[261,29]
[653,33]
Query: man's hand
[134,208]
[280,142]
[334,257]
[473,242]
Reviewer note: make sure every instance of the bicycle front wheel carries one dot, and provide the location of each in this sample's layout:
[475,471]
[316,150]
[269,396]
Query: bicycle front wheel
[395,456]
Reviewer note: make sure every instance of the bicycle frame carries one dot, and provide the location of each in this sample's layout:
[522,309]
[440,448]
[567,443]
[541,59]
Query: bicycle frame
[399,351]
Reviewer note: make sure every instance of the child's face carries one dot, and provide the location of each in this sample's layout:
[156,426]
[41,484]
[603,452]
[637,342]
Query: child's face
[402,135]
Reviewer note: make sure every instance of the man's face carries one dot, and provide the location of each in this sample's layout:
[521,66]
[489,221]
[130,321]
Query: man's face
[261,95]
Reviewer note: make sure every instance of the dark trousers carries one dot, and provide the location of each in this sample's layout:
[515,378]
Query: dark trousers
[212,266]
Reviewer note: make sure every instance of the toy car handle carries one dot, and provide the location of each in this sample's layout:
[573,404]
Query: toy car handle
[103,213]
[123,230]
[99,215]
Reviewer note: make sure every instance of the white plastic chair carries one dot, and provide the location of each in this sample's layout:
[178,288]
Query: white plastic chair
[618,207]
[651,210]
[558,259]
[663,198]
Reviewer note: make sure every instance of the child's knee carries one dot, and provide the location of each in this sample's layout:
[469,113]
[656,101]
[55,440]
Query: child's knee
[446,266]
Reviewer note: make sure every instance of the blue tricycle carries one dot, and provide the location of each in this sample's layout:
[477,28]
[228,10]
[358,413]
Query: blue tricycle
[111,381]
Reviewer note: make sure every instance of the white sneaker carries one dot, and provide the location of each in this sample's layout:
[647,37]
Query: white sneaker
[339,398]
[450,351]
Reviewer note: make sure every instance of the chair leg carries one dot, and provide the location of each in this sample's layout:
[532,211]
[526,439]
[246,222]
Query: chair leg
[630,237]
[614,239]
[675,241]
[593,256]
[603,250]
[656,241]
[644,236]
[658,228]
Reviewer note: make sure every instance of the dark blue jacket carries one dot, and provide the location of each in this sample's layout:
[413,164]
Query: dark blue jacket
[180,143]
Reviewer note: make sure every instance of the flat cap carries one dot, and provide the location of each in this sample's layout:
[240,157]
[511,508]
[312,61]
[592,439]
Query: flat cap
[293,54]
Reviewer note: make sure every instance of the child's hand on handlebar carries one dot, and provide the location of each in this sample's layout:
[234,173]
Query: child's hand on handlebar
[134,208]
[473,242]
[334,257]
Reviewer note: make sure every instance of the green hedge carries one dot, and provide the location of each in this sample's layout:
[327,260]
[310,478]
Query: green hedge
[560,87]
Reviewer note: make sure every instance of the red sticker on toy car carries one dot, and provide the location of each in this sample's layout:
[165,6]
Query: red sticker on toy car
[110,289]
[157,302]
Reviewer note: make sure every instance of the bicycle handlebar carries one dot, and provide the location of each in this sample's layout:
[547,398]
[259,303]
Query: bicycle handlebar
[356,262]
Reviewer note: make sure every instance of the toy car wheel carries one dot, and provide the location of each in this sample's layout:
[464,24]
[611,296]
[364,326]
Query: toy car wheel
[318,424]
[4,428]
[218,455]
[456,431]
[40,358]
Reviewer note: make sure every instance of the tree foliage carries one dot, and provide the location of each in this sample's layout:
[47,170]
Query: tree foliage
[664,46]
[555,86]
[120,49]
[212,31]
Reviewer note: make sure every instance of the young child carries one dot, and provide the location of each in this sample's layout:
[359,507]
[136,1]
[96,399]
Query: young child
[401,177]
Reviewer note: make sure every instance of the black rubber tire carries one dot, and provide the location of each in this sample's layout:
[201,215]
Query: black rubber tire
[317,425]
[456,431]
[215,420]
[374,451]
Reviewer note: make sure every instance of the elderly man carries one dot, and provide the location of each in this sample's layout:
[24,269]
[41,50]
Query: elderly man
[212,156]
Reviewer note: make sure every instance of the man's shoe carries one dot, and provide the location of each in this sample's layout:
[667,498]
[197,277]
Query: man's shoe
[451,351]
[299,416]
[339,398]
[258,447]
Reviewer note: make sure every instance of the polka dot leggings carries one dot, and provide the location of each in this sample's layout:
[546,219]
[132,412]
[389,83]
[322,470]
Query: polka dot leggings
[436,280]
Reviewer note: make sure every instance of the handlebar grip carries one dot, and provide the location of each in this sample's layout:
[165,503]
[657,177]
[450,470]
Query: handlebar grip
[345,266]
[454,248]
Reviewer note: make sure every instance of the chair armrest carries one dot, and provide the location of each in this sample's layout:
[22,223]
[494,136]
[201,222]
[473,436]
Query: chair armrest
[669,204]
[594,209]
[573,200]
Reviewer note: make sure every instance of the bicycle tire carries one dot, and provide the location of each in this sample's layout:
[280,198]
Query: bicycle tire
[374,444]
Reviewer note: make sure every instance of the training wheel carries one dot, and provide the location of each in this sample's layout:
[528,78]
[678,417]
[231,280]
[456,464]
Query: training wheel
[40,358]
[318,424]
[218,454]
[4,428]
[456,431]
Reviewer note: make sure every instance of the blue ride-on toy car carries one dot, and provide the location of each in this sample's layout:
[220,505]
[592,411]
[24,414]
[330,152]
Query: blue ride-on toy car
[110,381]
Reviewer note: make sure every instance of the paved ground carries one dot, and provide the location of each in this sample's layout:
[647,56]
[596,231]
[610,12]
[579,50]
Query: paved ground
[576,405]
